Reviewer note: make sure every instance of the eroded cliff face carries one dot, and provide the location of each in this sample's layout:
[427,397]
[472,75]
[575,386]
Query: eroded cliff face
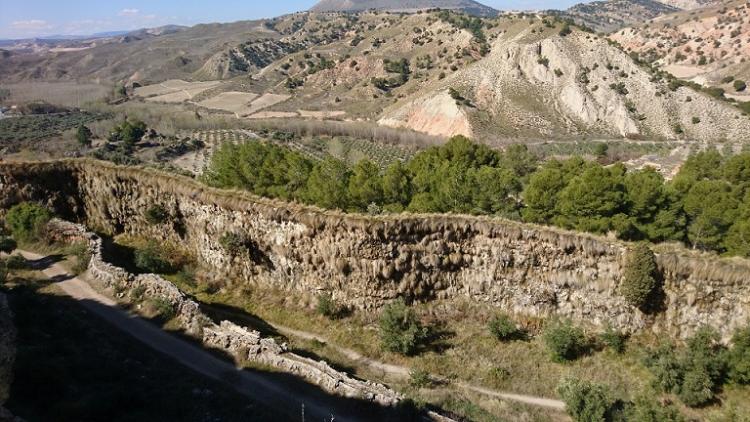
[366,262]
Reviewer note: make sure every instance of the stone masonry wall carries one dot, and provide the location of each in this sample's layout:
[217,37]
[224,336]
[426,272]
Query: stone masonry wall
[366,261]
[238,341]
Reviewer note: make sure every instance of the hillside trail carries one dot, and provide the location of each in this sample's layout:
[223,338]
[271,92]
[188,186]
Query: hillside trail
[272,393]
[404,372]
[207,364]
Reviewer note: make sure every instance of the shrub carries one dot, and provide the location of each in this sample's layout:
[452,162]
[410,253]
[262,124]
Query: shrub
[693,373]
[83,257]
[16,262]
[419,378]
[503,328]
[233,243]
[613,339]
[327,306]
[83,135]
[186,276]
[26,221]
[564,340]
[646,409]
[156,215]
[163,308]
[739,85]
[696,388]
[739,357]
[7,244]
[696,120]
[150,259]
[137,293]
[586,401]
[639,282]
[400,330]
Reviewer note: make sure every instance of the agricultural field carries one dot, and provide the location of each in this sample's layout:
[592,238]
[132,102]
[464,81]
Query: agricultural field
[42,126]
[233,102]
[66,94]
[190,89]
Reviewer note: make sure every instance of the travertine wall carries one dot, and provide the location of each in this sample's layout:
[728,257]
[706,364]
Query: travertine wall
[365,261]
[240,342]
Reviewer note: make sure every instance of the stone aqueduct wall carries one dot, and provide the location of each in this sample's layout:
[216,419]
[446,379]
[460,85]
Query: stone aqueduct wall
[239,342]
[365,261]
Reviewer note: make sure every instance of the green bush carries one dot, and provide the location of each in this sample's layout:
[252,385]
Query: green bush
[83,257]
[150,259]
[564,340]
[646,409]
[613,339]
[7,244]
[693,372]
[739,357]
[503,328]
[586,401]
[739,85]
[163,308]
[639,281]
[16,262]
[26,221]
[156,215]
[327,306]
[419,378]
[400,330]
[234,243]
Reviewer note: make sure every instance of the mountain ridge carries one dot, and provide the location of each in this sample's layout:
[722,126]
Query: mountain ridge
[467,6]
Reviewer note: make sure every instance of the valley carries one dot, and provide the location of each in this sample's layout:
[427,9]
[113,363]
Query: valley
[422,210]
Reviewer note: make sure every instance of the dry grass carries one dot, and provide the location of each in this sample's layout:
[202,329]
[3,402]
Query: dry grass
[68,94]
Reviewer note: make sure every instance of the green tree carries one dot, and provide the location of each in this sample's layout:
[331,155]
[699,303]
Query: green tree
[739,357]
[586,401]
[654,208]
[328,184]
[400,330]
[705,165]
[26,221]
[711,209]
[542,192]
[396,186]
[365,185]
[495,191]
[736,169]
[590,201]
[640,277]
[83,135]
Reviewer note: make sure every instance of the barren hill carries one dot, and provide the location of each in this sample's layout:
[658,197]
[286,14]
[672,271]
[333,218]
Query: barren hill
[466,6]
[538,83]
[611,15]
[710,46]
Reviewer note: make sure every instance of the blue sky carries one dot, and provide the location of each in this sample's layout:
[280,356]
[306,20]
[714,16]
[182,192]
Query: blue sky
[29,18]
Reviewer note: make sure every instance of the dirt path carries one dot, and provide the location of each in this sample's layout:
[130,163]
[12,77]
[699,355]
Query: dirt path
[260,388]
[403,372]
[251,384]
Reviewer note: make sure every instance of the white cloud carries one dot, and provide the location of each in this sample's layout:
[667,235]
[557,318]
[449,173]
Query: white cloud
[128,12]
[31,25]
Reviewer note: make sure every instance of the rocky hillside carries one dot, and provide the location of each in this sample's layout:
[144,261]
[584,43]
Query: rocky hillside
[709,46]
[541,82]
[466,6]
[611,15]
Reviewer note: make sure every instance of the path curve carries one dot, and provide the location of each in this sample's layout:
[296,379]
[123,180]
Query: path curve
[403,372]
[260,388]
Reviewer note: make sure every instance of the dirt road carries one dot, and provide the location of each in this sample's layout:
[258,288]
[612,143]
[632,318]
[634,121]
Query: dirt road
[260,388]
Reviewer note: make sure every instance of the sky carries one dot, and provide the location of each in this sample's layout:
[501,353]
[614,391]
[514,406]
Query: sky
[33,18]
